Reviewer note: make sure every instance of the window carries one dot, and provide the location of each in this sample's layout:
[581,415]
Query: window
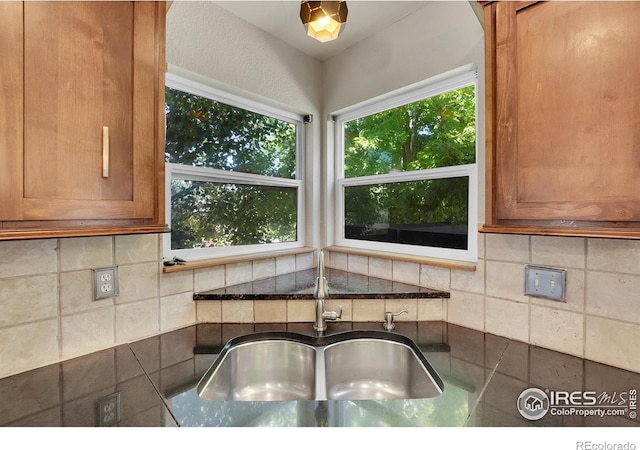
[232,183]
[407,172]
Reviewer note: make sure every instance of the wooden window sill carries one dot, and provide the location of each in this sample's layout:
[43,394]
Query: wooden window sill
[203,263]
[429,261]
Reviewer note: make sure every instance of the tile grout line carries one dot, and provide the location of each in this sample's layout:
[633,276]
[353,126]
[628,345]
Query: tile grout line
[584,298]
[58,292]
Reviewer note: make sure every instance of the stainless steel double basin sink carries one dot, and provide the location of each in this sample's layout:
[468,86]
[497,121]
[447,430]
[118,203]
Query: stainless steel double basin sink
[354,365]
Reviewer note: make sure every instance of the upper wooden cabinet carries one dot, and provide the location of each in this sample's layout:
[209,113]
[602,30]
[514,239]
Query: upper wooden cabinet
[81,118]
[563,118]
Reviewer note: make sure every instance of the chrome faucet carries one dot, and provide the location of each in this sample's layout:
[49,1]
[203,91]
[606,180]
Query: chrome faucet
[320,293]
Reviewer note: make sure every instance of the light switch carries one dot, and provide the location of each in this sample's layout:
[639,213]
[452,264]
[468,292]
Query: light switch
[545,282]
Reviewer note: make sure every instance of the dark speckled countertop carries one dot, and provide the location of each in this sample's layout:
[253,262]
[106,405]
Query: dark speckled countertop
[300,285]
[156,381]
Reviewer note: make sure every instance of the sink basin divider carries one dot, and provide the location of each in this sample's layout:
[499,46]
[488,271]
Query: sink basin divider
[321,384]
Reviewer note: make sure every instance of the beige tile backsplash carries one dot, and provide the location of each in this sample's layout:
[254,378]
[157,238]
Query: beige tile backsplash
[614,295]
[128,324]
[24,258]
[264,268]
[378,267]
[406,272]
[466,309]
[557,330]
[435,277]
[613,255]
[138,282]
[27,300]
[176,310]
[505,280]
[270,312]
[358,264]
[47,313]
[507,247]
[556,251]
[507,318]
[285,264]
[86,253]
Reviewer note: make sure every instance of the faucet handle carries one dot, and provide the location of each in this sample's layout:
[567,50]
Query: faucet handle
[332,315]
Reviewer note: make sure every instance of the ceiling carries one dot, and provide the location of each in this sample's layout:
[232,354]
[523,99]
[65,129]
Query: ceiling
[282,20]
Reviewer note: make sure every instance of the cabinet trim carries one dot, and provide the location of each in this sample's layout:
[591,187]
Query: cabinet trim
[592,231]
[48,233]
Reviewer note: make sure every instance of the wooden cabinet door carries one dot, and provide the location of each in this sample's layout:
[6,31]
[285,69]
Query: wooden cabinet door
[80,67]
[567,109]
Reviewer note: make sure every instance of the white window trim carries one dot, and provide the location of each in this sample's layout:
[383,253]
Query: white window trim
[196,88]
[184,172]
[383,103]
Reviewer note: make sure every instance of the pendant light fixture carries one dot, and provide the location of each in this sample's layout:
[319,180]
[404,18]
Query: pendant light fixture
[323,20]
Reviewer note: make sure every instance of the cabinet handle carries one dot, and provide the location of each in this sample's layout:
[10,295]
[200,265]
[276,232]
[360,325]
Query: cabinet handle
[105,152]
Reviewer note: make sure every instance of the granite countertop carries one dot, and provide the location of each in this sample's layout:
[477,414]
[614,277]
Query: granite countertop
[301,284]
[156,381]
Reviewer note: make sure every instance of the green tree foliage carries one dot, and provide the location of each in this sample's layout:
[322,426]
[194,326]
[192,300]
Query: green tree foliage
[438,131]
[435,132]
[206,133]
[202,132]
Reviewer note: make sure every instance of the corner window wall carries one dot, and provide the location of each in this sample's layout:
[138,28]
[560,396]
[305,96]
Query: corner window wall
[407,176]
[232,183]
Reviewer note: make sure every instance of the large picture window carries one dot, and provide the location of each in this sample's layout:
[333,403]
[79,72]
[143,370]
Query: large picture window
[407,172]
[232,173]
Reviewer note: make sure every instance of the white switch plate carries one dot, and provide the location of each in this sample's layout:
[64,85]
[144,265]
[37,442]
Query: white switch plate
[106,283]
[545,282]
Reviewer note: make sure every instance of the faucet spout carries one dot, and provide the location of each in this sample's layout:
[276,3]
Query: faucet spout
[320,293]
[322,287]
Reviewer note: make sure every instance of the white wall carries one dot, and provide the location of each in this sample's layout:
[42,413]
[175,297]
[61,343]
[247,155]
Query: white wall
[208,40]
[437,38]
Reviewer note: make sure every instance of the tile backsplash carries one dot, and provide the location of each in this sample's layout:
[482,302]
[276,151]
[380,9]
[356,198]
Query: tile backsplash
[599,321]
[601,317]
[47,312]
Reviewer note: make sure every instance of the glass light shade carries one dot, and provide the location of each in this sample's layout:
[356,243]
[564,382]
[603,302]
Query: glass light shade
[323,20]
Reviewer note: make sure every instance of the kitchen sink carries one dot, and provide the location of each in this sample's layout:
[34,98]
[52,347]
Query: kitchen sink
[354,365]
[264,370]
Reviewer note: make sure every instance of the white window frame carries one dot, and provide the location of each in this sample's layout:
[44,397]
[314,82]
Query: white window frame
[175,171]
[393,100]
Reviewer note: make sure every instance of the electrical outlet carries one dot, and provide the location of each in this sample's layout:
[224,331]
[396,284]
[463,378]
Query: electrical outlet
[108,410]
[106,283]
[545,282]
